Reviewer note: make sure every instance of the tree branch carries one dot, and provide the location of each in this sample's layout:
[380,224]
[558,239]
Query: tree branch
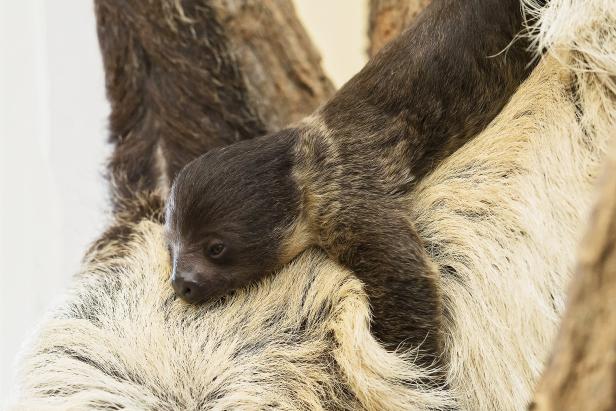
[388,18]
[281,67]
[582,371]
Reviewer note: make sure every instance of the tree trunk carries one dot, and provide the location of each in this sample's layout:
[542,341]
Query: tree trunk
[388,18]
[581,374]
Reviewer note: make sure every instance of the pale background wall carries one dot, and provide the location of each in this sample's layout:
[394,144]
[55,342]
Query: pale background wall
[53,199]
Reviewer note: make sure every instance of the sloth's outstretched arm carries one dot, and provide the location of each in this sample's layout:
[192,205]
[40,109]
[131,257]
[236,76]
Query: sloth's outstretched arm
[418,100]
[383,249]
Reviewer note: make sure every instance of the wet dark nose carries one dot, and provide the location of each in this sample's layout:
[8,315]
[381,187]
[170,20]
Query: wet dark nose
[188,290]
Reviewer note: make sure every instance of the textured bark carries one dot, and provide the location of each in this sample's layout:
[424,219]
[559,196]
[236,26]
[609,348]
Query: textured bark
[388,18]
[186,76]
[581,374]
[280,65]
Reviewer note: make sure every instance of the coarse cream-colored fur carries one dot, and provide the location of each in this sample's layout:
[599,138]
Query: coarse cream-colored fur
[500,217]
[503,215]
[297,341]
[503,225]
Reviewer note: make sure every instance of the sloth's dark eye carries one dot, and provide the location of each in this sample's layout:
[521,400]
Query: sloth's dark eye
[215,250]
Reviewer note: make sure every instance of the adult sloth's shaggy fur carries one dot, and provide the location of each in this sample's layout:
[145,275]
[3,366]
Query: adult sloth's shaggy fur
[501,218]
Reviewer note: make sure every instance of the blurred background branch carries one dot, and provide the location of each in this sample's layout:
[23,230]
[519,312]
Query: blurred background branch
[581,374]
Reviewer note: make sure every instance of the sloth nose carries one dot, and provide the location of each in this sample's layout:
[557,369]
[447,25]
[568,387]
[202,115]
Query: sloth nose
[190,291]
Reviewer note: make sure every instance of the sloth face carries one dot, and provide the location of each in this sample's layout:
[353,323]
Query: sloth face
[211,266]
[226,217]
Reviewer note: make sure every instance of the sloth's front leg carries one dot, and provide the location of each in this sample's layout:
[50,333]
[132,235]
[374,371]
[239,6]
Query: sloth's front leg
[381,246]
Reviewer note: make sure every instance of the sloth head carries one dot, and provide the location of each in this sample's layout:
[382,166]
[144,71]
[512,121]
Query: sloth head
[227,215]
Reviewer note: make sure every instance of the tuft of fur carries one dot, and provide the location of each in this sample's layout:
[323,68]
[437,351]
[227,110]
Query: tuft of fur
[501,218]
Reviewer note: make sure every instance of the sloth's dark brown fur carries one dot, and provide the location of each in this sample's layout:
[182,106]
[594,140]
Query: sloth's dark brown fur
[179,85]
[163,111]
[340,179]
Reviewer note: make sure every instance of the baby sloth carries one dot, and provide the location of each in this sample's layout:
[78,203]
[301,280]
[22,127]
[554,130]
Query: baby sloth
[341,179]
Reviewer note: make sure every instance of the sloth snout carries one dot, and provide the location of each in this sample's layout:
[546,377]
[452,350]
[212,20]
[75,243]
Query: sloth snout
[187,289]
[195,289]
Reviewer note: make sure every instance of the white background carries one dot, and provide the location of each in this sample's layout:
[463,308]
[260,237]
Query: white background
[53,199]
